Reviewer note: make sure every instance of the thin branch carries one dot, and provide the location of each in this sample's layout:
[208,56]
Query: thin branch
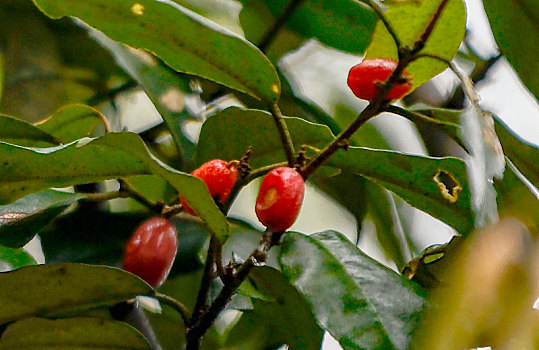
[286,139]
[374,6]
[257,257]
[111,94]
[175,304]
[101,197]
[420,43]
[124,187]
[272,32]
[205,284]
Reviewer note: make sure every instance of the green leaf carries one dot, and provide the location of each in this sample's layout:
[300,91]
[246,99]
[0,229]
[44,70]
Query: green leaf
[22,133]
[46,289]
[75,333]
[345,25]
[508,21]
[410,19]
[300,330]
[71,123]
[12,259]
[438,186]
[165,87]
[523,154]
[21,220]
[363,304]
[112,156]
[184,40]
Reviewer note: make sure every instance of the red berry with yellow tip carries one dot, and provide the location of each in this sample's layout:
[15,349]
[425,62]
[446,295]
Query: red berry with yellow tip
[219,176]
[279,199]
[364,79]
[151,250]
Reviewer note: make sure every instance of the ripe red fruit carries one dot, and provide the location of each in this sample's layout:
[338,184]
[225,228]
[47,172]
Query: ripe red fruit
[151,250]
[364,77]
[219,176]
[279,199]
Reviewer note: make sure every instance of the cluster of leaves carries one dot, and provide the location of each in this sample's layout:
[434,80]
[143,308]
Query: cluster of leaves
[182,50]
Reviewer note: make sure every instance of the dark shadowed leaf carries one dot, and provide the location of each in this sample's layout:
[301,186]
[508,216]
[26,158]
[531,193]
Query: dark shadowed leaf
[508,21]
[21,220]
[363,304]
[46,289]
[184,40]
[73,333]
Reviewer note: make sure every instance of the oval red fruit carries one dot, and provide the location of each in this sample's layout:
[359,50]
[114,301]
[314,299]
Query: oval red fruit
[279,199]
[364,78]
[151,250]
[219,176]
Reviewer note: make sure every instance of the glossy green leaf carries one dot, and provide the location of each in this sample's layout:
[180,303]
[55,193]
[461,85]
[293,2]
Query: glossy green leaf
[363,304]
[345,25]
[11,259]
[523,154]
[184,40]
[21,220]
[225,13]
[438,186]
[46,289]
[71,123]
[153,188]
[410,19]
[300,330]
[116,155]
[166,88]
[509,20]
[22,133]
[74,333]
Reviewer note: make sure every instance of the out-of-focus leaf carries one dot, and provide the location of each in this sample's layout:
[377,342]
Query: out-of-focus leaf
[12,259]
[508,29]
[437,186]
[185,41]
[22,133]
[346,25]
[115,155]
[518,199]
[166,88]
[300,330]
[71,123]
[363,304]
[76,333]
[488,295]
[46,289]
[21,220]
[524,155]
[410,19]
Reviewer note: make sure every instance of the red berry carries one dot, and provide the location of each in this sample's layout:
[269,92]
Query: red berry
[219,176]
[151,250]
[364,78]
[279,199]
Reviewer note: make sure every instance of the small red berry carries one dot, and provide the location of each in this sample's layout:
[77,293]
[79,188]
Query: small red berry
[219,176]
[151,250]
[364,78]
[279,199]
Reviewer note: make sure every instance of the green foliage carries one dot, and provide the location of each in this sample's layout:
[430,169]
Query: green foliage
[517,48]
[74,174]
